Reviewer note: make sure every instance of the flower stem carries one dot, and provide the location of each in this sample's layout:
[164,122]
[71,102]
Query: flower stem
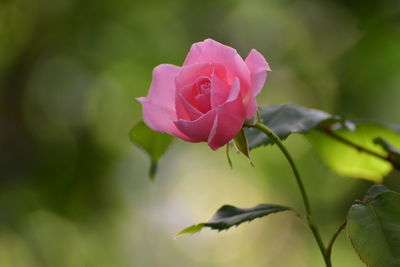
[299,181]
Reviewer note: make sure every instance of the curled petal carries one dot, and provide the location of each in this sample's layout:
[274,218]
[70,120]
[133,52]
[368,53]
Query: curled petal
[188,74]
[229,119]
[160,119]
[162,88]
[159,106]
[219,90]
[190,102]
[258,67]
[199,129]
[185,110]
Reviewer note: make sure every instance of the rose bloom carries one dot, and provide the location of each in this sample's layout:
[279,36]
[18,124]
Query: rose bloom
[209,98]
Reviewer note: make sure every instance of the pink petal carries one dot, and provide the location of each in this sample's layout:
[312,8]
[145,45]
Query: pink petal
[199,129]
[215,52]
[229,120]
[188,74]
[162,88]
[258,67]
[160,119]
[204,104]
[193,100]
[184,107]
[219,90]
[189,93]
[180,106]
[251,107]
[159,106]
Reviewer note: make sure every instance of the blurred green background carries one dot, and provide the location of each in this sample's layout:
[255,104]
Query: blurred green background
[75,192]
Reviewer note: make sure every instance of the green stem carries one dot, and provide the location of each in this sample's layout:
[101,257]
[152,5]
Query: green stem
[299,181]
[335,235]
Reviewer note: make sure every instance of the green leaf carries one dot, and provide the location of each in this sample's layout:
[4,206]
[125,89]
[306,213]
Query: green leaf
[374,191]
[351,161]
[241,144]
[154,143]
[373,226]
[393,152]
[191,229]
[228,216]
[285,120]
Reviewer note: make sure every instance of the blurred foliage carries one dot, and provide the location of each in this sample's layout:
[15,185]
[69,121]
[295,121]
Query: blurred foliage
[350,160]
[74,191]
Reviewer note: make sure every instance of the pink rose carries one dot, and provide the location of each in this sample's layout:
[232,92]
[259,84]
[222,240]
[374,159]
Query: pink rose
[209,98]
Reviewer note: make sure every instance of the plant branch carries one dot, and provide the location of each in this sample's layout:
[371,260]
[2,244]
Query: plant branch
[335,235]
[339,138]
[299,181]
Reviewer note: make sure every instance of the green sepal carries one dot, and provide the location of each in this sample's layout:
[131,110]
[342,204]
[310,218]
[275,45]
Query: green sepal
[228,157]
[242,145]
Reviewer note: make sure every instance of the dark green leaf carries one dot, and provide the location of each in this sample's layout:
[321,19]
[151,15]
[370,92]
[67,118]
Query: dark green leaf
[228,216]
[374,228]
[285,120]
[154,143]
[374,191]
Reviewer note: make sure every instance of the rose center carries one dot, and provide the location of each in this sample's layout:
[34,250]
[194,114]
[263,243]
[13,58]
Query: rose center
[203,94]
[205,87]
